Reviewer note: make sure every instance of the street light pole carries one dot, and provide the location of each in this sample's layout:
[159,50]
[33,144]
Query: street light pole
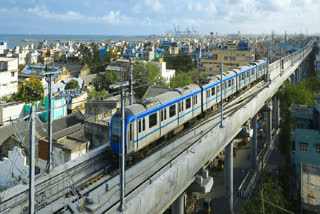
[221,93]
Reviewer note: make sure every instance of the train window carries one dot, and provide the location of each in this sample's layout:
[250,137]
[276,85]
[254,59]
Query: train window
[233,81]
[130,132]
[229,83]
[143,124]
[208,93]
[218,88]
[213,91]
[248,74]
[172,110]
[196,99]
[242,76]
[188,103]
[182,105]
[152,120]
[252,72]
[139,126]
[224,86]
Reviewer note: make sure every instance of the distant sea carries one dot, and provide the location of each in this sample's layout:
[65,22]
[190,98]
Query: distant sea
[17,39]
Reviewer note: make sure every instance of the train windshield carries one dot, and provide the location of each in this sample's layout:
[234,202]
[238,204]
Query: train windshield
[116,128]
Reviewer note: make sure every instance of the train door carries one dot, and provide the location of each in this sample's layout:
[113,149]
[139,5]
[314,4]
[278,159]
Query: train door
[163,121]
[130,146]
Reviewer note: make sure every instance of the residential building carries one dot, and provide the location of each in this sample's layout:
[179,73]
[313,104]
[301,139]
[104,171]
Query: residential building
[167,74]
[10,111]
[65,148]
[3,46]
[305,137]
[59,108]
[186,49]
[32,58]
[8,76]
[230,59]
[148,53]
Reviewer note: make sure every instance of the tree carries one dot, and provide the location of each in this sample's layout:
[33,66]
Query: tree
[181,62]
[106,80]
[181,79]
[93,94]
[146,75]
[73,84]
[272,192]
[30,90]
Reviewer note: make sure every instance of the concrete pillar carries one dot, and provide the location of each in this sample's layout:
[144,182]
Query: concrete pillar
[254,142]
[275,113]
[228,178]
[178,205]
[269,124]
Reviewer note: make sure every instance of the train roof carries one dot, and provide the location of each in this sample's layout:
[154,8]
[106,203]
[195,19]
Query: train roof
[166,97]
[187,89]
[136,108]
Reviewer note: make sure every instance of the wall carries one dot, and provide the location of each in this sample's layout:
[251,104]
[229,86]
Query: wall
[13,170]
[10,110]
[98,107]
[311,137]
[9,82]
[63,75]
[96,129]
[78,102]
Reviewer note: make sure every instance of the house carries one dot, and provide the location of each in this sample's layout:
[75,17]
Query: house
[8,76]
[10,111]
[305,135]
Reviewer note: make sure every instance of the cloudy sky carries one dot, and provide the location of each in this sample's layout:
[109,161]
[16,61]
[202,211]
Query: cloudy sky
[145,17]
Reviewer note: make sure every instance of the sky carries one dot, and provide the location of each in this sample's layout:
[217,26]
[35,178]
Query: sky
[146,17]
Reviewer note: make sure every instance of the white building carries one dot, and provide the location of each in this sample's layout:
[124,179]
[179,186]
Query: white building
[11,111]
[3,46]
[32,57]
[8,76]
[167,74]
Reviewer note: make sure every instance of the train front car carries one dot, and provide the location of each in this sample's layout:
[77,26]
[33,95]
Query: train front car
[115,132]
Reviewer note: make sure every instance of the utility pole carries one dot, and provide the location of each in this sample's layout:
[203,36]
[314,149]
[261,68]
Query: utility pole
[49,75]
[130,82]
[221,93]
[122,177]
[122,86]
[280,59]
[268,67]
[231,58]
[31,160]
[261,190]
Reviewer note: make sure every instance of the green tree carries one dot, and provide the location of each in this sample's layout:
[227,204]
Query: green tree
[146,75]
[30,90]
[73,84]
[106,80]
[272,192]
[181,79]
[93,94]
[181,62]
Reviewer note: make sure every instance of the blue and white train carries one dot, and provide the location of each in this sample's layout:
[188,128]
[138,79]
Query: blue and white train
[159,116]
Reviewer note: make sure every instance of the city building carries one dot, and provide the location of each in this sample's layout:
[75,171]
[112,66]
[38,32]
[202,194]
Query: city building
[230,58]
[8,76]
[3,46]
[167,74]
[10,111]
[305,137]
[32,58]
[59,108]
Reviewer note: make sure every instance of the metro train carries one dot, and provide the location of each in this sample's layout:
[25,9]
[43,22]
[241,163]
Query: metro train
[165,114]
